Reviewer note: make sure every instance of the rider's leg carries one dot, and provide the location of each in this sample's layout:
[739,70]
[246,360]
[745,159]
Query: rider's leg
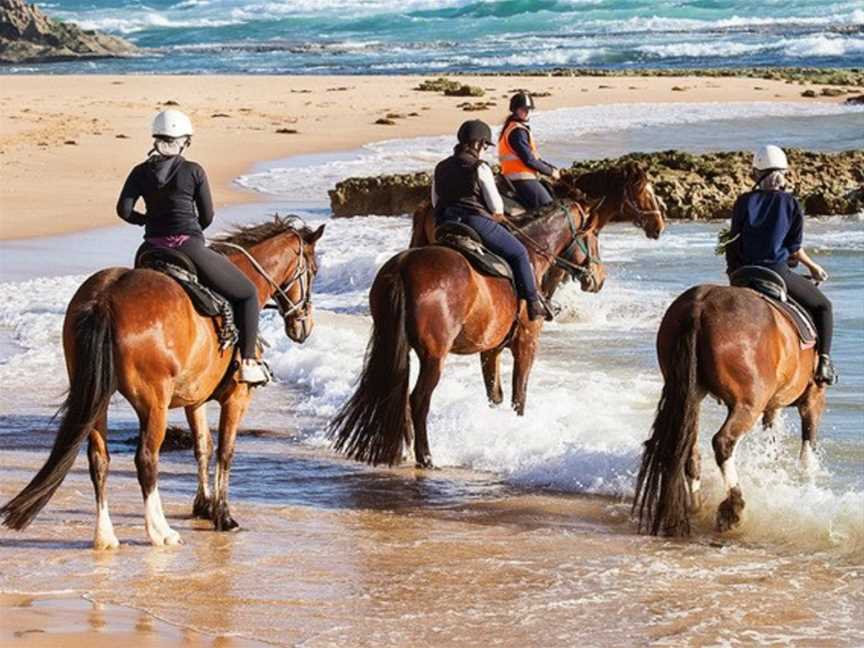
[532,194]
[501,242]
[819,307]
[217,272]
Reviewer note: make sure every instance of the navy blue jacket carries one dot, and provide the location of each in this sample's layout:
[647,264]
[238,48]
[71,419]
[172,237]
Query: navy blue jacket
[518,141]
[771,225]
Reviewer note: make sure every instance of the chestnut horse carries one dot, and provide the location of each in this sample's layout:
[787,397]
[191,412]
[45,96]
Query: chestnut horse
[431,299]
[618,193]
[137,332]
[730,343]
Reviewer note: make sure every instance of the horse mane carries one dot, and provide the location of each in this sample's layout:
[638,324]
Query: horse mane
[611,180]
[247,236]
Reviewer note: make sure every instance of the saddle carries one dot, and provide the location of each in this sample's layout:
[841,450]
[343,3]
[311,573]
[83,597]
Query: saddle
[463,239]
[512,207]
[771,287]
[180,267]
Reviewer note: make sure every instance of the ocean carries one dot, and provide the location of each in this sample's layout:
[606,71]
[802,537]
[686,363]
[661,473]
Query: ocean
[526,526]
[424,36]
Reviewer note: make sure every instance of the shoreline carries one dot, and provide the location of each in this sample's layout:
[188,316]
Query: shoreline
[102,130]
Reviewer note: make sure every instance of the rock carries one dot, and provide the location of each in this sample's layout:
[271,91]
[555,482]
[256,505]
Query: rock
[465,91]
[71,143]
[170,102]
[694,187]
[395,116]
[286,131]
[438,85]
[220,115]
[809,94]
[27,35]
[857,100]
[832,92]
[384,121]
[679,89]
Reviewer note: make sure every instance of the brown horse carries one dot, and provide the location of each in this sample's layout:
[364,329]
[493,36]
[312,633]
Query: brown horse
[431,299]
[137,332]
[617,193]
[727,342]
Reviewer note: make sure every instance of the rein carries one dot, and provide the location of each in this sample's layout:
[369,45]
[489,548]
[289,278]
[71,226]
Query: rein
[639,214]
[561,261]
[284,304]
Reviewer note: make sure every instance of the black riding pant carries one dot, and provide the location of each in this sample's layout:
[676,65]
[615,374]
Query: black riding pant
[817,304]
[532,193]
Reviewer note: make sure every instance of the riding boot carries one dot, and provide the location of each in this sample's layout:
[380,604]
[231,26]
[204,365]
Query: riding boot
[825,374]
[538,309]
[254,372]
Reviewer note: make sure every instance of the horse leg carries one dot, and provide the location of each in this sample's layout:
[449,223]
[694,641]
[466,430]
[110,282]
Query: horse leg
[810,408]
[693,470]
[524,349]
[490,363]
[153,420]
[197,418]
[233,410]
[739,420]
[769,417]
[427,380]
[99,459]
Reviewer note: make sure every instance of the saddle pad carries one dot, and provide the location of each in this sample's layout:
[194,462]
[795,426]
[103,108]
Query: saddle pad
[478,256]
[797,316]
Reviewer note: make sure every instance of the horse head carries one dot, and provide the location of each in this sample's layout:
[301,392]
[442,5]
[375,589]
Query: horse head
[294,299]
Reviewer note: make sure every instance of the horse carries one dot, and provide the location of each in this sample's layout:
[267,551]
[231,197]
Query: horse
[137,332]
[730,343]
[430,299]
[621,192]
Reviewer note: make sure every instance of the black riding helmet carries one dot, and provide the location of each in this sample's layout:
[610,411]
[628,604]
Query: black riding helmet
[521,100]
[475,130]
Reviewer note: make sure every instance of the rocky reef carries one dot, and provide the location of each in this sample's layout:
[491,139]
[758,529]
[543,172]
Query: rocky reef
[27,35]
[694,187]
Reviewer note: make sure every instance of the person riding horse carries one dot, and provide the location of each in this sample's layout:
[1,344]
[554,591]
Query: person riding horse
[767,230]
[464,191]
[179,207]
[517,152]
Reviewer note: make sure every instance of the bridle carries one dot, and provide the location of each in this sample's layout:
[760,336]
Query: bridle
[563,261]
[302,276]
[639,215]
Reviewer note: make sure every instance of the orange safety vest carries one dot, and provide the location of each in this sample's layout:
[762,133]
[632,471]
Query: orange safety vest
[512,166]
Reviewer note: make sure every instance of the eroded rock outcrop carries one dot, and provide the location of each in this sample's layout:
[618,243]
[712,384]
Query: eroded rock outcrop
[694,187]
[27,35]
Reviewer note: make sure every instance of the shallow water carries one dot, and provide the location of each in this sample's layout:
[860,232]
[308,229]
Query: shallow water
[525,532]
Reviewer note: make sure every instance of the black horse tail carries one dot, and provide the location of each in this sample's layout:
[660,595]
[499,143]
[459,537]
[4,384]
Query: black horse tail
[662,495]
[372,425]
[92,383]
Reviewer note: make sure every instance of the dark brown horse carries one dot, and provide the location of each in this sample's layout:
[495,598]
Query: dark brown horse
[431,300]
[137,332]
[618,193]
[727,342]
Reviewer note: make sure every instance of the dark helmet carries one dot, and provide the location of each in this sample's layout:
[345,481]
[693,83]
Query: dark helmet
[521,100]
[475,130]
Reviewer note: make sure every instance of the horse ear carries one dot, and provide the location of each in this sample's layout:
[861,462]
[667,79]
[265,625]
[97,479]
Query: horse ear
[314,236]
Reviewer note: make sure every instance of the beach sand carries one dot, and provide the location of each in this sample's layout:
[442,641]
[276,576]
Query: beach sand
[68,142]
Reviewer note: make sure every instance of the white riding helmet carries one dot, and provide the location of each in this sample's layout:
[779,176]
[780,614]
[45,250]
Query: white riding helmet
[770,158]
[172,123]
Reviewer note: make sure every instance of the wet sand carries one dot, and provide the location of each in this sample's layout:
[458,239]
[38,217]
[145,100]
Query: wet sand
[351,556]
[68,142]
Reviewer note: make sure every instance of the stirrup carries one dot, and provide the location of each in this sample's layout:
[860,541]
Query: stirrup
[825,374]
[257,374]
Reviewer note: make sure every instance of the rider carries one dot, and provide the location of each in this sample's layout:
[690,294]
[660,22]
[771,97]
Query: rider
[517,152]
[178,208]
[464,191]
[770,223]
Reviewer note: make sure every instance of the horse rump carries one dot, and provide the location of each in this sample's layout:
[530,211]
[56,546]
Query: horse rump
[92,383]
[662,497]
[373,423]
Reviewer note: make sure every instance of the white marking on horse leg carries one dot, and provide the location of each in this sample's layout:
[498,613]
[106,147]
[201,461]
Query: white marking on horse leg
[104,537]
[807,458]
[154,520]
[730,473]
[695,486]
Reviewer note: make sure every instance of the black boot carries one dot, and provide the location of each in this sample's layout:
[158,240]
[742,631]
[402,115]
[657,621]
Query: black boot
[825,374]
[539,310]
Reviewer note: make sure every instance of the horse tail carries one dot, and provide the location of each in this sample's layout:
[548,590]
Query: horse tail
[371,426]
[662,498]
[92,382]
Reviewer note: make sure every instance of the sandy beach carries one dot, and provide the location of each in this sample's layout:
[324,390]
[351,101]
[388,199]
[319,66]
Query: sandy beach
[67,142]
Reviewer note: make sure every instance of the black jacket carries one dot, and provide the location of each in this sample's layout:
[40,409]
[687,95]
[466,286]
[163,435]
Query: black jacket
[176,194]
[456,183]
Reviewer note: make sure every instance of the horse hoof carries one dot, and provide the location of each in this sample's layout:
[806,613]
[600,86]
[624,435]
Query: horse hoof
[225,523]
[106,544]
[425,463]
[202,508]
[172,538]
[729,511]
